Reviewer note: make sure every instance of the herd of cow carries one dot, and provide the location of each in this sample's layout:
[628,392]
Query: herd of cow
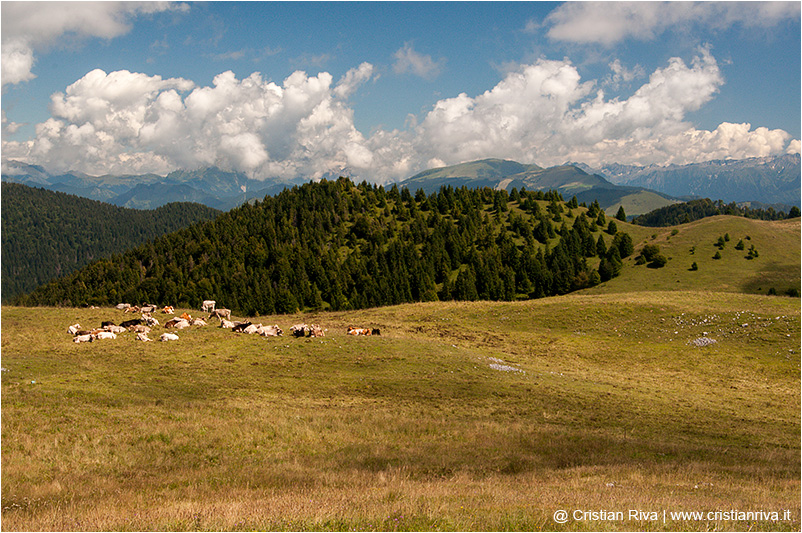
[143,326]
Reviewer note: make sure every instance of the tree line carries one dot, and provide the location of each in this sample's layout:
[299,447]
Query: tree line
[338,245]
[46,234]
[686,212]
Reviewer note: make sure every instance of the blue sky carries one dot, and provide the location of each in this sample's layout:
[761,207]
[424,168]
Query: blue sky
[386,89]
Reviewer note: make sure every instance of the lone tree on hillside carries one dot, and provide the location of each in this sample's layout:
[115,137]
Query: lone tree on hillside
[621,215]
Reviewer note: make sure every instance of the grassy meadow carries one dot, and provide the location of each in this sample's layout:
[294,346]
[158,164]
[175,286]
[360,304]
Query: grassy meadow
[460,416]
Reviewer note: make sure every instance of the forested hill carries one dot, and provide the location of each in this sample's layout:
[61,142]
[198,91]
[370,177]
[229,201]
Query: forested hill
[683,213]
[337,245]
[46,234]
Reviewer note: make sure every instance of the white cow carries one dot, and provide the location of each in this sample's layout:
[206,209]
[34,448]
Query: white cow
[270,331]
[75,328]
[226,323]
[105,335]
[143,337]
[84,338]
[168,337]
[221,314]
[208,306]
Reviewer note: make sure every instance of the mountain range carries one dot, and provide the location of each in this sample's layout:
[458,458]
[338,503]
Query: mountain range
[768,181]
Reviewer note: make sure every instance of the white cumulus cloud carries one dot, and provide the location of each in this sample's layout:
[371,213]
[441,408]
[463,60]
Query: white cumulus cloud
[607,23]
[31,26]
[544,113]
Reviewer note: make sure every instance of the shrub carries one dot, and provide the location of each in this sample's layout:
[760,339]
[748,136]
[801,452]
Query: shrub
[658,261]
[694,267]
[717,256]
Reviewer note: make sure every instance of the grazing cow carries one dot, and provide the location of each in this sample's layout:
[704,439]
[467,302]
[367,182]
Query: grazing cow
[178,323]
[122,306]
[105,335]
[132,322]
[143,337]
[221,314]
[208,306]
[270,331]
[169,310]
[88,337]
[239,327]
[299,330]
[316,331]
[226,323]
[197,322]
[168,337]
[74,329]
[357,331]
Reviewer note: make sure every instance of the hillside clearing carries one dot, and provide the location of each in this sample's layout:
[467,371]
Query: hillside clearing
[613,408]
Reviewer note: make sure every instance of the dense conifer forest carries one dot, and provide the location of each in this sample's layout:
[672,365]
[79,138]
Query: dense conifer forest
[685,212]
[337,245]
[46,234]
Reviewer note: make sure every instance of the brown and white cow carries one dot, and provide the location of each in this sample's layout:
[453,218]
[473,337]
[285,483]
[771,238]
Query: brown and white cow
[177,323]
[358,331]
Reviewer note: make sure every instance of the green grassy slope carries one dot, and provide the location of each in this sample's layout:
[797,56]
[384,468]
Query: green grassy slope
[777,266]
[460,416]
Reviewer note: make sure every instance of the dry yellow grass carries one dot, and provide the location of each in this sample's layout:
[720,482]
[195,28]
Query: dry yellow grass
[604,405]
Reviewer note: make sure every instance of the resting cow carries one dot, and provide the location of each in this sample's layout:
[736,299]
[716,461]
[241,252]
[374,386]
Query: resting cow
[178,323]
[270,331]
[358,331]
[299,330]
[239,327]
[168,337]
